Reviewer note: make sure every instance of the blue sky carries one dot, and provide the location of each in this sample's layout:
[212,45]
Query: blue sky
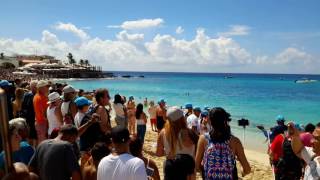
[284,33]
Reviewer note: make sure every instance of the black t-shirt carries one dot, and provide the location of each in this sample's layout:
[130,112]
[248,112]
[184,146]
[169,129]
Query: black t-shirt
[54,160]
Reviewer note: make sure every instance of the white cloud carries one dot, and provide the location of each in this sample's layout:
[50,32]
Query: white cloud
[236,30]
[166,53]
[179,30]
[69,27]
[125,36]
[139,24]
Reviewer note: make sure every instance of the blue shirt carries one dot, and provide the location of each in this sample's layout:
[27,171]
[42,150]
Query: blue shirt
[23,155]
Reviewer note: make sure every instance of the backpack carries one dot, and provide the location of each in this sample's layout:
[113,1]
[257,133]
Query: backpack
[289,165]
[219,160]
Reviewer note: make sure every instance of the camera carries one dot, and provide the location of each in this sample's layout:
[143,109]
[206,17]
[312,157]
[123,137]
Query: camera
[243,122]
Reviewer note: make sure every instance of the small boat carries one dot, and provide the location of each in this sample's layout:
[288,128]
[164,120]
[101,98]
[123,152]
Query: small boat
[228,77]
[305,80]
[126,76]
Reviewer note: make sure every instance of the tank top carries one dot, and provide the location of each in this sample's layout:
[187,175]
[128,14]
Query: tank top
[183,150]
[52,119]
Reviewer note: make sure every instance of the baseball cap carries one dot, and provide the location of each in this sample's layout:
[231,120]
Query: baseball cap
[5,83]
[188,105]
[42,83]
[120,135]
[131,98]
[204,114]
[161,101]
[197,109]
[68,89]
[174,113]
[53,97]
[280,118]
[82,101]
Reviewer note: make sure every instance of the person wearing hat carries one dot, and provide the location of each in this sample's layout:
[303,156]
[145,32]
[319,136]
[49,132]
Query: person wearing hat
[131,109]
[193,120]
[189,107]
[204,123]
[55,158]
[161,114]
[28,111]
[176,137]
[82,104]
[40,104]
[153,115]
[68,107]
[53,112]
[120,164]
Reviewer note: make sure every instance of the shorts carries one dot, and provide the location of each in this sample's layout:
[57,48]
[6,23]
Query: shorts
[160,123]
[153,121]
[42,131]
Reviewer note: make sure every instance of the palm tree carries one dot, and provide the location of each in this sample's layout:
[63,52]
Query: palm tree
[81,62]
[86,62]
[71,60]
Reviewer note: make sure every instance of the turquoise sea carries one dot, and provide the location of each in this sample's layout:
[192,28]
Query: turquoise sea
[257,97]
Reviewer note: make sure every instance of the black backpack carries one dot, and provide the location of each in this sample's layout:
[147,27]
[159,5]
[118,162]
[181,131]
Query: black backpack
[289,166]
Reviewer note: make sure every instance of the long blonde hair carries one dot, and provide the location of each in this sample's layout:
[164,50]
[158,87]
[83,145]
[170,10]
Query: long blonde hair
[172,130]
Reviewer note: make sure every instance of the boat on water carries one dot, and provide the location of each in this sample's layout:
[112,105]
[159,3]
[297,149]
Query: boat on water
[305,80]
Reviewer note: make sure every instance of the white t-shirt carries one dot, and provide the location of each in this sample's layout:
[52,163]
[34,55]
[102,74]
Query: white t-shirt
[193,120]
[122,167]
[118,108]
[312,170]
[77,119]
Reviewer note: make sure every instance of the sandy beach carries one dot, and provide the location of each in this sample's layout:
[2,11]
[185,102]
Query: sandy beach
[258,160]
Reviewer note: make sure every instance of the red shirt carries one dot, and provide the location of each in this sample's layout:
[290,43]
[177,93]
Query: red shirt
[276,147]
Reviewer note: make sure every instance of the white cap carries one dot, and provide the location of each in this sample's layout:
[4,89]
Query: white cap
[42,83]
[68,89]
[174,113]
[53,97]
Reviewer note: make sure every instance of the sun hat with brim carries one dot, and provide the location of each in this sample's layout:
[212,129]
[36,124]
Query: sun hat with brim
[188,106]
[82,101]
[174,113]
[42,83]
[120,135]
[69,89]
[53,97]
[5,83]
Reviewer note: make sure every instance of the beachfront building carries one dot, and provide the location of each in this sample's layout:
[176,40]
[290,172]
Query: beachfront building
[8,61]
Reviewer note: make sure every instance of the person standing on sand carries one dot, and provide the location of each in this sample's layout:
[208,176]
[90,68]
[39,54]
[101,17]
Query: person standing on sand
[311,155]
[218,150]
[55,158]
[53,112]
[136,147]
[153,116]
[17,103]
[27,112]
[40,105]
[141,122]
[161,114]
[176,137]
[102,98]
[193,120]
[120,164]
[131,115]
[68,107]
[121,111]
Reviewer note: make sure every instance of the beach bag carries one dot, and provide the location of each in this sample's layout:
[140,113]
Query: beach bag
[289,165]
[219,160]
[68,118]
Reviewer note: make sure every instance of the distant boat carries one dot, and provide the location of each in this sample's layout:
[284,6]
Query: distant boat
[305,80]
[228,77]
[126,76]
[141,76]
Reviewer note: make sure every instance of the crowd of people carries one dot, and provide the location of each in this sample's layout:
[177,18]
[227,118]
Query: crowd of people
[59,132]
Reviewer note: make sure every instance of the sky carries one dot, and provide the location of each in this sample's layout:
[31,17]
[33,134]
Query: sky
[243,36]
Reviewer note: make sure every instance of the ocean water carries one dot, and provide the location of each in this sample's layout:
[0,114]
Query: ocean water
[256,97]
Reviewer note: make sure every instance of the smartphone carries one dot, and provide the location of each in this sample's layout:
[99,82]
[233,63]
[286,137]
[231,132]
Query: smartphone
[150,171]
